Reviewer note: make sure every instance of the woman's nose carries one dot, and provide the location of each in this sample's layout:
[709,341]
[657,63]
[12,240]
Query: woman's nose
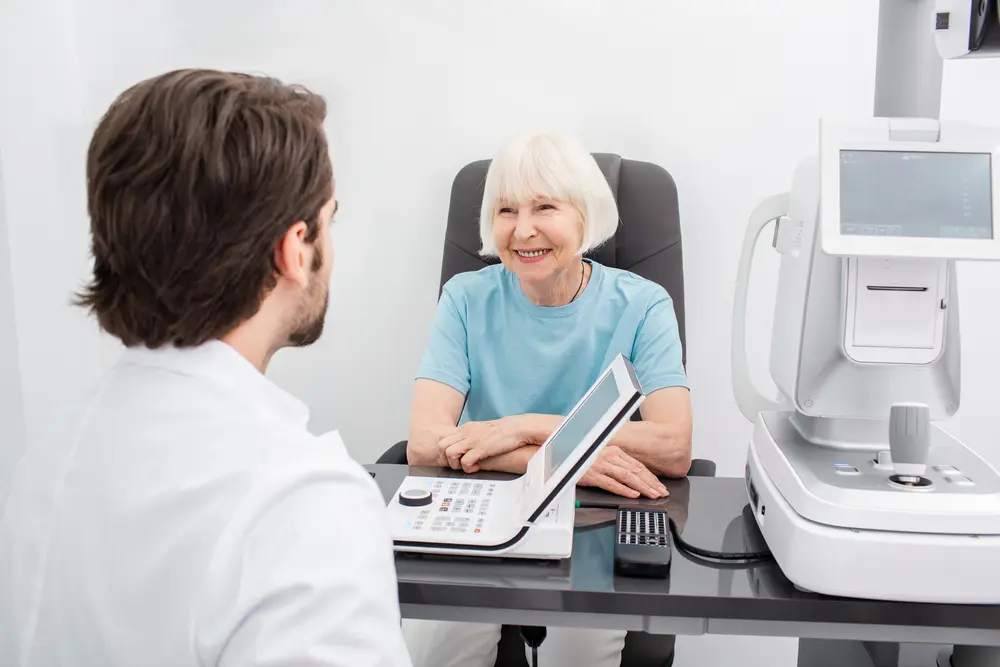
[525,228]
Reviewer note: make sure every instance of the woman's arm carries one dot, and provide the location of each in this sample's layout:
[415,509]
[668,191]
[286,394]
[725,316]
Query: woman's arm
[662,440]
[435,412]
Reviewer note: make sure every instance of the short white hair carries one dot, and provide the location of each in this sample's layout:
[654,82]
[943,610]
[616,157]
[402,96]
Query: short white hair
[551,166]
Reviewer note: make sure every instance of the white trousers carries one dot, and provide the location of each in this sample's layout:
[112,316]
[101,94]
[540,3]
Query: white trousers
[453,644]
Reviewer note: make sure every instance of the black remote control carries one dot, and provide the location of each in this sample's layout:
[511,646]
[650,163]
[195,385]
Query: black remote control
[642,543]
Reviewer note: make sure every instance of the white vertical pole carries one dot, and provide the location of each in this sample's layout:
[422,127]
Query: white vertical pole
[908,69]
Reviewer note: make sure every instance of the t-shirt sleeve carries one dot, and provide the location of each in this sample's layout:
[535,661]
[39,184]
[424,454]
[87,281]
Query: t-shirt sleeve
[446,358]
[656,355]
[305,576]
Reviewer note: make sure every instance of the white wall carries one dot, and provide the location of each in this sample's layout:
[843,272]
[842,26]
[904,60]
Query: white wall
[725,95]
[11,405]
[41,160]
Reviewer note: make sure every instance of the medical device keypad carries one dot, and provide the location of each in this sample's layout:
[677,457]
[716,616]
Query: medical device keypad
[457,507]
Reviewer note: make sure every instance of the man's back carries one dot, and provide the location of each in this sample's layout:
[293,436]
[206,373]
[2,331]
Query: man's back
[182,515]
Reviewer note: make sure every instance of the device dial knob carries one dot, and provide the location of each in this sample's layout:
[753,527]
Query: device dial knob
[415,497]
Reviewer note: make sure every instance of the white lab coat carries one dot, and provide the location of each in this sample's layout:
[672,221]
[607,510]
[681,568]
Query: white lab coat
[182,515]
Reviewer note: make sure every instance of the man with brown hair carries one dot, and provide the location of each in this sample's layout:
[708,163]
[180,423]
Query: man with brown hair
[181,513]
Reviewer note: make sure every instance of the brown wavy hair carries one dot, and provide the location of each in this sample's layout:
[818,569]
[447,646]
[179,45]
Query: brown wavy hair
[192,179]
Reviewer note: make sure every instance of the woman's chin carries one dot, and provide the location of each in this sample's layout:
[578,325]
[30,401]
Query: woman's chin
[533,274]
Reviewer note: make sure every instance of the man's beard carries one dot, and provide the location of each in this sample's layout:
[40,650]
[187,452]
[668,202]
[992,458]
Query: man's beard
[309,322]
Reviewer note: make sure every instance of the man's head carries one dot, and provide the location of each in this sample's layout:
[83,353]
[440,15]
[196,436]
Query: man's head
[210,196]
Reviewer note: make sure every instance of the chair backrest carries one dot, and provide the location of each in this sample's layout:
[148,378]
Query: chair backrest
[648,240]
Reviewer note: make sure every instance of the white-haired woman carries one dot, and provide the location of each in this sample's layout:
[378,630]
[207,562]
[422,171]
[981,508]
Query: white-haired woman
[514,346]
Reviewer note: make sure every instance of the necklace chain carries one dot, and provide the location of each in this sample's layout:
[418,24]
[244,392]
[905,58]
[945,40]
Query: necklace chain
[583,274]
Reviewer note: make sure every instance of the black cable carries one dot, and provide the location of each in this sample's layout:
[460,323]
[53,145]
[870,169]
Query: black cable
[707,554]
[745,557]
[534,656]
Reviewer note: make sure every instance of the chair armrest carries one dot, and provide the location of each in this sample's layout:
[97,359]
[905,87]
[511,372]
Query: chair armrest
[702,468]
[395,454]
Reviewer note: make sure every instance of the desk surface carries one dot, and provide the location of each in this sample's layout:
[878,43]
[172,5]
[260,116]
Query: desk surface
[712,513]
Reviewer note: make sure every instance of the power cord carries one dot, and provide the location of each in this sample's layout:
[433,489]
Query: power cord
[707,554]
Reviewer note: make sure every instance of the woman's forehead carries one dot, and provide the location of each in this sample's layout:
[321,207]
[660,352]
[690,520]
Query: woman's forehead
[524,200]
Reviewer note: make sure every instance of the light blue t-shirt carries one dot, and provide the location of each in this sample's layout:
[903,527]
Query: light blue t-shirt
[509,356]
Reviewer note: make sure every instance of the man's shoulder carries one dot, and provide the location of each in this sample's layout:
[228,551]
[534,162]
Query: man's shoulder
[293,457]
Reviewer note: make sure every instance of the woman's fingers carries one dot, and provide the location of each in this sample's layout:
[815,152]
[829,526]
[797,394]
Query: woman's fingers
[450,439]
[471,459]
[645,475]
[609,483]
[455,452]
[622,471]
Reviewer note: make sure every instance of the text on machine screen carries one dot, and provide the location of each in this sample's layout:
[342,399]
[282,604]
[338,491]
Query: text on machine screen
[576,428]
[913,194]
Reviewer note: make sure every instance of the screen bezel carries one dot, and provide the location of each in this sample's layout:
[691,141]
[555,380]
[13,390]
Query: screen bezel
[538,491]
[835,243]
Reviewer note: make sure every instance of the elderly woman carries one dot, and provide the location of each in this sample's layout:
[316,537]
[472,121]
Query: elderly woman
[514,346]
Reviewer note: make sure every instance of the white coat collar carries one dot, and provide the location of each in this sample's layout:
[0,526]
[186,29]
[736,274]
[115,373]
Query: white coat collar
[216,361]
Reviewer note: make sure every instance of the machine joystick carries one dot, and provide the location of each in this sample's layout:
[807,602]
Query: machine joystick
[909,443]
[415,497]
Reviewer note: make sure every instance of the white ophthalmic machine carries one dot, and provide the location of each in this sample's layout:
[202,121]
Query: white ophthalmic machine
[855,487]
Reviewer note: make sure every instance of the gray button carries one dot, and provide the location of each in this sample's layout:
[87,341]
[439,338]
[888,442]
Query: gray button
[947,470]
[960,480]
[438,529]
[845,469]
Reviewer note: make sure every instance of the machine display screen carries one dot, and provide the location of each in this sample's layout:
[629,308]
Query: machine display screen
[914,194]
[576,428]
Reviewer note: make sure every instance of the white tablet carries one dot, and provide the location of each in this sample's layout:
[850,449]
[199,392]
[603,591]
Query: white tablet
[571,449]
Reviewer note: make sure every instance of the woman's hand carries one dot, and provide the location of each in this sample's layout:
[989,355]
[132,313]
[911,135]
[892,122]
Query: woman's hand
[619,473]
[472,442]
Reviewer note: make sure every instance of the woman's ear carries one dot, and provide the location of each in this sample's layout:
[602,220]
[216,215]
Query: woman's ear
[291,254]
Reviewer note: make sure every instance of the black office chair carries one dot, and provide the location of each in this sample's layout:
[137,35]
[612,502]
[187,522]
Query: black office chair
[648,243]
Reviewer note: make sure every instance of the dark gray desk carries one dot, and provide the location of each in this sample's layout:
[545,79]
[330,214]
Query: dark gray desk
[698,598]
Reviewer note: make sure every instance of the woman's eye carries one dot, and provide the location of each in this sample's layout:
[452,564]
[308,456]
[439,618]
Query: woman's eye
[544,207]
[506,210]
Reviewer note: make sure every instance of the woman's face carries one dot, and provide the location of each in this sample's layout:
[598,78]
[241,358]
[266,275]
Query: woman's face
[538,240]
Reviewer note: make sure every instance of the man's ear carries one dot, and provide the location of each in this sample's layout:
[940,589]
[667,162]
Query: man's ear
[292,254]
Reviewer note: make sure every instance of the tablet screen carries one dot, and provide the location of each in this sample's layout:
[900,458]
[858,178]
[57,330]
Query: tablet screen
[575,429]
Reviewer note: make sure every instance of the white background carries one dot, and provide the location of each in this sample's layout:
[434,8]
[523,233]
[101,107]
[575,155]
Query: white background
[725,95]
